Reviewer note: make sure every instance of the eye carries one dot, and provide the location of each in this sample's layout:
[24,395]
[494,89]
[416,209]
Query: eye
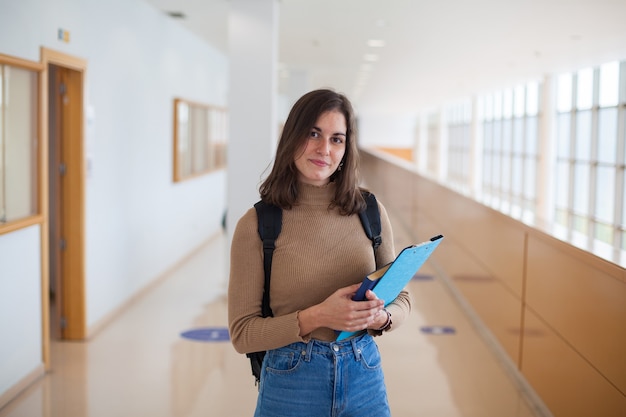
[314,134]
[338,139]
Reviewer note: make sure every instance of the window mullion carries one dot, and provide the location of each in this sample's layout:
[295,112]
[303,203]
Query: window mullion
[572,160]
[620,172]
[592,218]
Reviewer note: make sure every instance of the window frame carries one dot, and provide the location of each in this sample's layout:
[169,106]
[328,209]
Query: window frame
[582,228]
[459,151]
[509,121]
[211,139]
[37,187]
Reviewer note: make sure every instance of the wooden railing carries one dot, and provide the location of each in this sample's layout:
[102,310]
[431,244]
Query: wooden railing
[557,311]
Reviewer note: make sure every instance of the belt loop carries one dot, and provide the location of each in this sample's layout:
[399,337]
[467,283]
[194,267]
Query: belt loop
[355,348]
[307,352]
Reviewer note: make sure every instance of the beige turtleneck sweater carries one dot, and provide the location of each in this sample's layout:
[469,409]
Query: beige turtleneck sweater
[317,252]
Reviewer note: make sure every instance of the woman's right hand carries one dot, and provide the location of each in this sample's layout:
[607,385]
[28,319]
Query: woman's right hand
[339,312]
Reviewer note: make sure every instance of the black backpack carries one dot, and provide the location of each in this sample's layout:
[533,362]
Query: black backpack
[270,224]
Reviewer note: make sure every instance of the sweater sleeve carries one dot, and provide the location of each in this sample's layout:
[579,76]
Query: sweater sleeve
[401,306]
[249,331]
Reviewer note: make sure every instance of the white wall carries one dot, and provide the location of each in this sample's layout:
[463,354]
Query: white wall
[20,306]
[138,222]
[388,130]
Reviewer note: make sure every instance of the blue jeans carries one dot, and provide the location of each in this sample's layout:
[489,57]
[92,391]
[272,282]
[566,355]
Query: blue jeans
[319,379]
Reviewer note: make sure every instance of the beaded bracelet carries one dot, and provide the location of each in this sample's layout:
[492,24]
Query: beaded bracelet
[387,324]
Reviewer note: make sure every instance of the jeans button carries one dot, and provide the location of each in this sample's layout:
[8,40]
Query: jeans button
[336,348]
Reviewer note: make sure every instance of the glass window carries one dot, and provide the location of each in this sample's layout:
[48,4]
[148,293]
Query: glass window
[518,135]
[497,105]
[518,107]
[488,107]
[584,89]
[580,224]
[604,233]
[623,136]
[199,139]
[623,215]
[595,167]
[532,99]
[589,131]
[507,104]
[605,194]
[507,136]
[517,175]
[487,164]
[560,218]
[432,142]
[531,136]
[488,136]
[562,184]
[564,93]
[506,164]
[510,149]
[497,136]
[581,188]
[18,143]
[564,133]
[530,179]
[609,84]
[607,135]
[459,137]
[583,135]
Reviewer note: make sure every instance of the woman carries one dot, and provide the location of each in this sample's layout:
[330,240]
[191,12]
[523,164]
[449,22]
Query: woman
[321,256]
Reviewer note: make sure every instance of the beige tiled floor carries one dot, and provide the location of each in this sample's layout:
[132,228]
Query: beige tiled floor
[139,365]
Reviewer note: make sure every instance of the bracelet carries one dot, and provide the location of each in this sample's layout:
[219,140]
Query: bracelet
[387,324]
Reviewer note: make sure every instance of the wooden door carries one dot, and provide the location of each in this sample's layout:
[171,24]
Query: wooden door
[66,201]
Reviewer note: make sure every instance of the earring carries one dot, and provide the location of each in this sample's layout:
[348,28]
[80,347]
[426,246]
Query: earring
[340,166]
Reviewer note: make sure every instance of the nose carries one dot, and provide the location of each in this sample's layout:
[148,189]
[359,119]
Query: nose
[323,148]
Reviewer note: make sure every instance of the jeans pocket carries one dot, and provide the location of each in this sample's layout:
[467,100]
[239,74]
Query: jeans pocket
[282,361]
[370,357]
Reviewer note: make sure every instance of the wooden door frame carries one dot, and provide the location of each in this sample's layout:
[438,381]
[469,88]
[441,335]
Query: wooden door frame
[74,297]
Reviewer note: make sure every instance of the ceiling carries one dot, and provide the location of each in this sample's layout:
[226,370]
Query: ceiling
[435,50]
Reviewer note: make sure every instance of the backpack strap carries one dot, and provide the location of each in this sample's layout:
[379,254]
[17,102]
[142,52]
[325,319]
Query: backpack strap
[370,218]
[270,224]
[270,220]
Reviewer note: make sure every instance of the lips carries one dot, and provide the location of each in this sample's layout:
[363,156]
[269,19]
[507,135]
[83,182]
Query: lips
[319,163]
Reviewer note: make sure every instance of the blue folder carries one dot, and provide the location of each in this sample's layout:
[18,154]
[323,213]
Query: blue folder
[388,281]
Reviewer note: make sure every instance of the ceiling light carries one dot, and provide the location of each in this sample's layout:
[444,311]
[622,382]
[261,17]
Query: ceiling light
[370,57]
[376,43]
[176,15]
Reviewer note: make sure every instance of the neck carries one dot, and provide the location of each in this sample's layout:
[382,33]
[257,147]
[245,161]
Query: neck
[316,195]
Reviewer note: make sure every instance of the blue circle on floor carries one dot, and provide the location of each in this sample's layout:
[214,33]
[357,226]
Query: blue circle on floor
[422,277]
[207,334]
[437,330]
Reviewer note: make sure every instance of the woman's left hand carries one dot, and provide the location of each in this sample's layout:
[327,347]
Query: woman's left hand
[339,312]
[381,317]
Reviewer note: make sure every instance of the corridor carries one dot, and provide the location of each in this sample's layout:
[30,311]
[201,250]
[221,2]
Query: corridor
[439,364]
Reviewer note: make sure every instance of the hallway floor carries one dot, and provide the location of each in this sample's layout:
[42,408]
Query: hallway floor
[436,365]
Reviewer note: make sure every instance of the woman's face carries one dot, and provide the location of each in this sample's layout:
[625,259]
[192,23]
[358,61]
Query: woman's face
[323,149]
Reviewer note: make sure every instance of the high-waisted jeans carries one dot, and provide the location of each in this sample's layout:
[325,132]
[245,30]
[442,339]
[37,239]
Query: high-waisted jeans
[323,379]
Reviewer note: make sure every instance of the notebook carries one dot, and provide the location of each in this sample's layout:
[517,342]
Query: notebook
[389,280]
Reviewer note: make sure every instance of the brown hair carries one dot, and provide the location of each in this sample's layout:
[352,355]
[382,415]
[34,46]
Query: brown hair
[281,186]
